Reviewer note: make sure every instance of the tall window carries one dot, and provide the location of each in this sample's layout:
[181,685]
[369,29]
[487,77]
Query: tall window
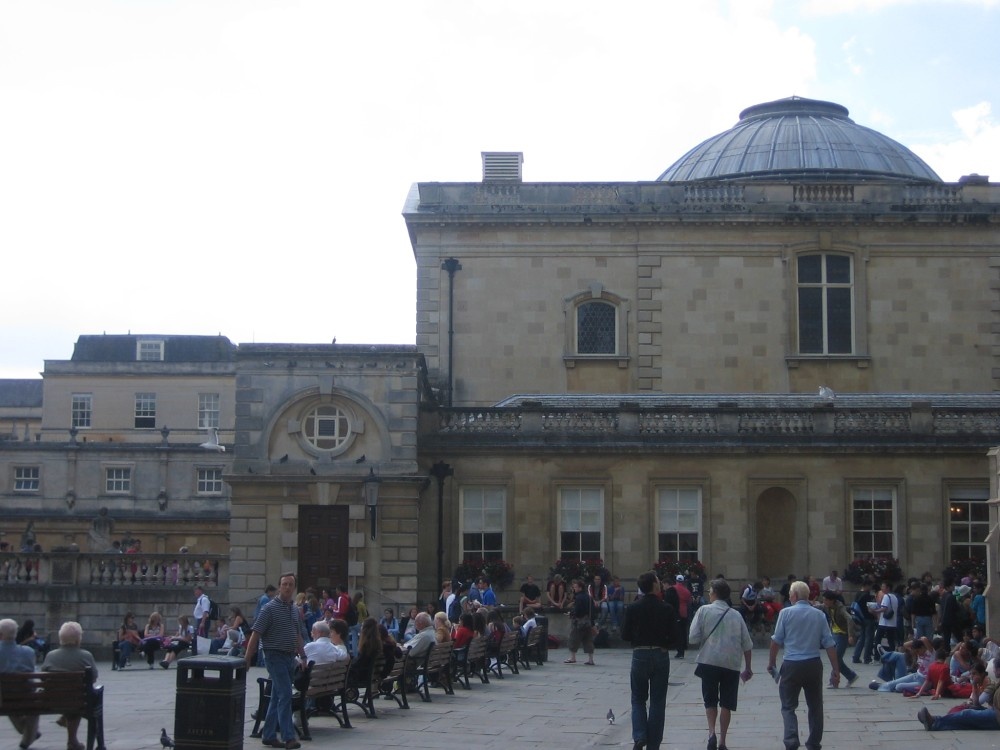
[596,328]
[118,480]
[208,411]
[873,511]
[581,521]
[209,481]
[149,350]
[81,409]
[826,304]
[145,410]
[969,522]
[483,518]
[26,478]
[679,523]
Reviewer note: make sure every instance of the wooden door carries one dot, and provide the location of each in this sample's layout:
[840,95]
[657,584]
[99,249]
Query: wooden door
[322,546]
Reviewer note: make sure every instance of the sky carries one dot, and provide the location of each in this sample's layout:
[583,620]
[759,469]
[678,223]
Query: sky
[239,168]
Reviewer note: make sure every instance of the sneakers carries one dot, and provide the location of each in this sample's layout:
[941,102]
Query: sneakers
[925,718]
[850,682]
[873,685]
[882,650]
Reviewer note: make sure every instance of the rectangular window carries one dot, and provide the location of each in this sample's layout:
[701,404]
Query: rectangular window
[483,520]
[679,523]
[149,350]
[209,481]
[26,478]
[145,411]
[208,411]
[596,326]
[825,304]
[969,523]
[873,511]
[80,410]
[118,480]
[581,522]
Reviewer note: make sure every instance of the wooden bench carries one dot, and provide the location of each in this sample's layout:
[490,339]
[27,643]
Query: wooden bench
[44,693]
[325,683]
[471,660]
[393,685]
[531,649]
[505,655]
[362,694]
[435,669]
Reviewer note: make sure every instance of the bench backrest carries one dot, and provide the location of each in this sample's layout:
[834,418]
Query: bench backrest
[439,656]
[477,648]
[328,678]
[34,693]
[509,642]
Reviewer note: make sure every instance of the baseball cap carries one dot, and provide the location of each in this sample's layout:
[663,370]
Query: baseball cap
[680,577]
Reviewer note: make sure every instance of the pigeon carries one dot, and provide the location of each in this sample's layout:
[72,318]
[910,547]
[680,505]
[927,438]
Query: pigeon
[360,460]
[283,459]
[212,444]
[825,392]
[165,739]
[611,716]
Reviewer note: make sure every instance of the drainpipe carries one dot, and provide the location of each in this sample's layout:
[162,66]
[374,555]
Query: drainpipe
[451,265]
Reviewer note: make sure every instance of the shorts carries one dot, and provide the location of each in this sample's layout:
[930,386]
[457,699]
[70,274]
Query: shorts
[719,686]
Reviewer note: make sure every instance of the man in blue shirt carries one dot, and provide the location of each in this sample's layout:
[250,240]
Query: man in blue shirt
[803,631]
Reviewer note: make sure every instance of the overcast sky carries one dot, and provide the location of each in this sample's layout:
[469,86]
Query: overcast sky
[240,167]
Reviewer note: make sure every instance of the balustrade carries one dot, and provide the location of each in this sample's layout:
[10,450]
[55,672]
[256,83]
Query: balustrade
[109,569]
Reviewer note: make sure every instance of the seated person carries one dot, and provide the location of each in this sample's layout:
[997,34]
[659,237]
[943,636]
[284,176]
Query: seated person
[557,592]
[442,628]
[528,624]
[768,600]
[389,620]
[987,718]
[26,636]
[531,595]
[152,638]
[327,643]
[129,639]
[369,649]
[179,643]
[69,657]
[749,607]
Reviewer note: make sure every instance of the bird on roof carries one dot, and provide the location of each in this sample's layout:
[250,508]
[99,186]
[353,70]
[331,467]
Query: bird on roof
[212,444]
[825,392]
[611,716]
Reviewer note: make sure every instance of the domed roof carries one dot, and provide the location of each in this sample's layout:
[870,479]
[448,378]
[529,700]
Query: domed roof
[798,138]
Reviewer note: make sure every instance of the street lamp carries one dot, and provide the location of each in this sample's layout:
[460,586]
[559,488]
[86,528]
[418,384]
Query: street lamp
[371,487]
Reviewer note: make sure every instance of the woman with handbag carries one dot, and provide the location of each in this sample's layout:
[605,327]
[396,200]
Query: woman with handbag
[581,625]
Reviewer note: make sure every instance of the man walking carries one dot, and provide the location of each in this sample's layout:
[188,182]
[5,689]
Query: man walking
[651,626]
[725,641]
[279,630]
[803,632]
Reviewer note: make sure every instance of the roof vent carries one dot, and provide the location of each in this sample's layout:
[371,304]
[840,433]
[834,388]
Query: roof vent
[502,166]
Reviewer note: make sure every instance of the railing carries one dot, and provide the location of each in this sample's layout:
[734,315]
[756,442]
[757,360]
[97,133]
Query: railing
[823,193]
[842,421]
[109,569]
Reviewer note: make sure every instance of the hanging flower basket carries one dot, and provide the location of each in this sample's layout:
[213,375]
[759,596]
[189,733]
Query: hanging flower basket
[499,573]
[972,567]
[877,568]
[670,568]
[573,567]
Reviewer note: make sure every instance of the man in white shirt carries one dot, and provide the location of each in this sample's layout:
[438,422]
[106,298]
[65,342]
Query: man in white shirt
[424,640]
[833,583]
[327,643]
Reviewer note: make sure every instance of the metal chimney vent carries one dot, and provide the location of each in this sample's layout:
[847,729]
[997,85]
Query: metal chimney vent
[502,166]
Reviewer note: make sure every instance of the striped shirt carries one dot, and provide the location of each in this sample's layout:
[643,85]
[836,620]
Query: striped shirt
[278,626]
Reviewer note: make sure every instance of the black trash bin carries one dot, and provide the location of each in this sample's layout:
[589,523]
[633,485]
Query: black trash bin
[542,621]
[211,698]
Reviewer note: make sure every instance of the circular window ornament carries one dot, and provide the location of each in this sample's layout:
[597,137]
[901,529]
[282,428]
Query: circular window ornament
[327,428]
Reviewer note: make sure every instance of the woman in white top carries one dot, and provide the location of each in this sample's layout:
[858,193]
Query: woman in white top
[887,611]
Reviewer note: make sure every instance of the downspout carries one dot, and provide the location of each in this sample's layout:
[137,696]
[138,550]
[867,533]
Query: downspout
[451,265]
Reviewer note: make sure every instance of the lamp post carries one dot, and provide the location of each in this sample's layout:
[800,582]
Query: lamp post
[371,487]
[441,471]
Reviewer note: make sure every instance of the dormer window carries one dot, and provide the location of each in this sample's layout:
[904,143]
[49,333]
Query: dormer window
[149,350]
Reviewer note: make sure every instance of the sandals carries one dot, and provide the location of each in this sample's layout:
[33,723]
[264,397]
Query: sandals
[570,661]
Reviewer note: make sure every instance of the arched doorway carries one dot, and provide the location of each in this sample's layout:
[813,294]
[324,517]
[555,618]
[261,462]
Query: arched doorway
[776,523]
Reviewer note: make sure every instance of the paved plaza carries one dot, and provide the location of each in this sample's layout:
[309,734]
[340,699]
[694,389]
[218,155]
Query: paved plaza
[557,705]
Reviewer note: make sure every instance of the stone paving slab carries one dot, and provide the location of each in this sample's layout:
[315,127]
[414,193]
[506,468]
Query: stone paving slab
[557,705]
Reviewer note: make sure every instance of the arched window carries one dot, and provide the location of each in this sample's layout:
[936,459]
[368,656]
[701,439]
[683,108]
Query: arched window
[596,326]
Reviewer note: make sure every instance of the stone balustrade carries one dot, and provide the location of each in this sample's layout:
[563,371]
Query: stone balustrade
[82,569]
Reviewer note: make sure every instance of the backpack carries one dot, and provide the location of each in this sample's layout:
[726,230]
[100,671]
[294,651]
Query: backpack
[213,611]
[351,616]
[857,614]
[455,610]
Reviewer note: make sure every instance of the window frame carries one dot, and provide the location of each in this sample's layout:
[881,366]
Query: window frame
[968,494]
[571,306]
[145,410]
[678,554]
[895,524]
[78,413]
[482,487]
[208,417]
[145,347]
[355,426]
[560,510]
[124,481]
[201,482]
[19,477]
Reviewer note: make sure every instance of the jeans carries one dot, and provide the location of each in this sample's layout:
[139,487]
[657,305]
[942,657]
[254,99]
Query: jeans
[802,676]
[617,607]
[125,649]
[900,683]
[923,626]
[866,642]
[887,632]
[893,666]
[650,674]
[281,669]
[846,671]
[971,718]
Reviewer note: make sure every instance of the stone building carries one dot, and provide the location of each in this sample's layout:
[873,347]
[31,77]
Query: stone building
[778,357]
